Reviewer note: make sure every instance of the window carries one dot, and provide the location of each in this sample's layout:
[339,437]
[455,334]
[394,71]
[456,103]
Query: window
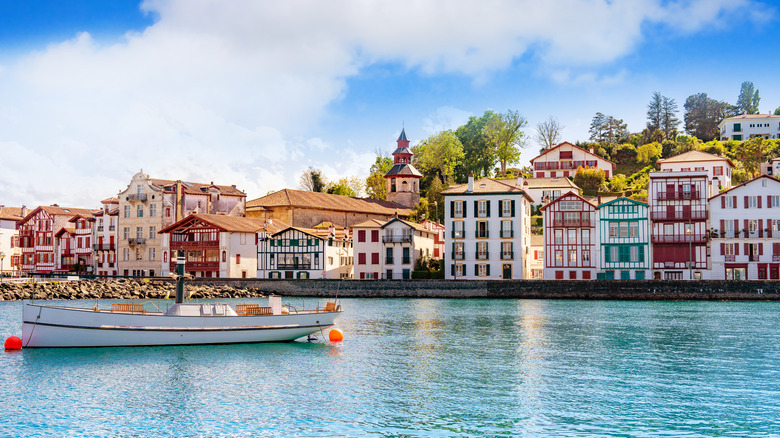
[457,208]
[558,258]
[613,229]
[482,250]
[634,254]
[460,270]
[127,233]
[361,258]
[138,254]
[238,260]
[127,211]
[586,237]
[623,229]
[506,229]
[559,237]
[375,258]
[126,254]
[151,253]
[361,235]
[585,258]
[572,256]
[152,232]
[738,127]
[457,250]
[482,270]
[633,229]
[506,250]
[571,205]
[457,230]
[375,235]
[774,201]
[506,208]
[752,202]
[753,227]
[775,225]
[718,171]
[140,211]
[572,236]
[482,207]
[153,210]
[482,229]
[139,232]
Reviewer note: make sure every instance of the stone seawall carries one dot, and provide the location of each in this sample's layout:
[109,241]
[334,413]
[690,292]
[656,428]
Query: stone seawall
[554,289]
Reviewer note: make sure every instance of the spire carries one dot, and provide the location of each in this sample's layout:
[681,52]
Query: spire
[402,137]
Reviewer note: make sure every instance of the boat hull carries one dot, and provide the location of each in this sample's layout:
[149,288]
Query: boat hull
[56,326]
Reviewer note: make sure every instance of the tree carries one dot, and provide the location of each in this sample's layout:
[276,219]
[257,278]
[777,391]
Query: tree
[340,189]
[655,111]
[505,134]
[702,116]
[669,120]
[479,156]
[617,183]
[649,153]
[747,102]
[313,180]
[347,186]
[436,200]
[607,129]
[751,154]
[589,179]
[439,154]
[777,111]
[548,133]
[376,185]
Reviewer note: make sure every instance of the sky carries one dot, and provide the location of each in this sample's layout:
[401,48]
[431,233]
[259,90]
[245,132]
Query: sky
[254,92]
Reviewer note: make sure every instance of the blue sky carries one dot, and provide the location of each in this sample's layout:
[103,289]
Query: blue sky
[252,93]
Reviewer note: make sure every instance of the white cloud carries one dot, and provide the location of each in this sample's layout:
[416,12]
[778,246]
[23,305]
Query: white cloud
[228,91]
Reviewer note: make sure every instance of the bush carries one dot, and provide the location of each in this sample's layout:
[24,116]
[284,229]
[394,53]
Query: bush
[421,275]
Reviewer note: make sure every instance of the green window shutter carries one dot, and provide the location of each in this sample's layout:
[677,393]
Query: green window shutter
[476,208]
[452,269]
[500,208]
[488,208]
[452,209]
[513,207]
[476,269]
[607,256]
[487,270]
[641,253]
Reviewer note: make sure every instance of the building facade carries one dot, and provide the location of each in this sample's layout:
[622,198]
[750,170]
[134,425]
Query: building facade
[569,238]
[624,240]
[367,247]
[564,159]
[10,251]
[488,230]
[438,240]
[404,242]
[545,190]
[303,253]
[678,221]
[537,257]
[718,168]
[745,231]
[36,236]
[213,245]
[148,205]
[748,126]
[104,237]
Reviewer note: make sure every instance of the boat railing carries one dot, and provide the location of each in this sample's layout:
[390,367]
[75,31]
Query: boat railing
[128,308]
[330,306]
[252,309]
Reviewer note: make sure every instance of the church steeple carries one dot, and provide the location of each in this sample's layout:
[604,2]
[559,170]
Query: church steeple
[403,180]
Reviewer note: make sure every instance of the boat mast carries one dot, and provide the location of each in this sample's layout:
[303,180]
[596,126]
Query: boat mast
[179,279]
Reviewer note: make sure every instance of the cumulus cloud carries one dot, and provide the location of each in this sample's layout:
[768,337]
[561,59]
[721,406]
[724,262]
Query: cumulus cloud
[229,91]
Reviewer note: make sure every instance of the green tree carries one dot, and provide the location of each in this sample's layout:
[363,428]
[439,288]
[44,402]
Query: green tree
[655,111]
[617,183]
[624,154]
[505,134]
[548,133]
[669,120]
[747,102]
[607,129]
[777,111]
[420,212]
[376,185]
[341,189]
[751,154]
[649,153]
[479,156]
[589,179]
[313,180]
[702,116]
[436,200]
[439,154]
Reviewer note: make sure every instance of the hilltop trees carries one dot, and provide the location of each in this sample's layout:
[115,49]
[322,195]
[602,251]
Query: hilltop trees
[376,186]
[438,155]
[313,180]
[478,156]
[504,133]
[607,129]
[747,101]
[548,133]
[703,114]
[589,179]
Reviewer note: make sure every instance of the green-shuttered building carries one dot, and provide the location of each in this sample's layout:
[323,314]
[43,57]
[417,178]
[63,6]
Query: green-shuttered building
[624,240]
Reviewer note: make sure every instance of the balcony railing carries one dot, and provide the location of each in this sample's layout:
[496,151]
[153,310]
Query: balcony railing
[680,238]
[507,234]
[100,228]
[202,266]
[460,256]
[406,260]
[299,266]
[111,228]
[194,244]
[484,234]
[776,258]
[136,241]
[137,197]
[753,258]
[678,196]
[507,255]
[392,238]
[572,223]
[103,247]
[389,260]
[731,258]
[678,216]
[459,234]
[481,255]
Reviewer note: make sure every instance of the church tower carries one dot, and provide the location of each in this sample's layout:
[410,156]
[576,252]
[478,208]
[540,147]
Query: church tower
[403,180]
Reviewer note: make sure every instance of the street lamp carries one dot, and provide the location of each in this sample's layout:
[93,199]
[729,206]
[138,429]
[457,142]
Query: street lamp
[436,206]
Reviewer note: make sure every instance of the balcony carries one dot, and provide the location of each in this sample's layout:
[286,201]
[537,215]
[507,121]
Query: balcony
[678,216]
[389,260]
[507,234]
[507,255]
[140,197]
[104,247]
[457,256]
[572,223]
[679,196]
[203,266]
[753,258]
[406,260]
[459,234]
[100,228]
[682,238]
[111,228]
[392,238]
[776,258]
[67,252]
[481,255]
[483,234]
[136,241]
[194,244]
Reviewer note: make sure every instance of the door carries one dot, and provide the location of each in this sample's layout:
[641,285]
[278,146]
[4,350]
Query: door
[507,271]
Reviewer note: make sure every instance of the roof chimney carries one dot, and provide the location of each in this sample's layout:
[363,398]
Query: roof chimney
[24,210]
[471,183]
[520,181]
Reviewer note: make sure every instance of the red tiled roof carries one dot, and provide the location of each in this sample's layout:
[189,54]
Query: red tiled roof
[574,146]
[56,210]
[222,222]
[326,201]
[694,156]
[194,188]
[10,213]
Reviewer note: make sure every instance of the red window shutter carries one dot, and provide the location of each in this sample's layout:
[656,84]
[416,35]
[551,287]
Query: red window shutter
[747,205]
[760,248]
[760,227]
[375,235]
[362,275]
[734,201]
[736,249]
[722,202]
[747,226]
[362,258]
[736,226]
[375,258]
[776,248]
[768,201]
[759,201]
[747,248]
[238,259]
[361,235]
[722,248]
[722,225]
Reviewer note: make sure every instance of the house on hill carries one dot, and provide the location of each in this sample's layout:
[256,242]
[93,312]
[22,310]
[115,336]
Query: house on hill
[564,159]
[718,168]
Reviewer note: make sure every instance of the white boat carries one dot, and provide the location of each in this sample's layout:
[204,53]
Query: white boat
[47,325]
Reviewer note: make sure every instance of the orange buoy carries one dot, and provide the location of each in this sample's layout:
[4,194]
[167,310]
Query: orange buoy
[13,343]
[336,335]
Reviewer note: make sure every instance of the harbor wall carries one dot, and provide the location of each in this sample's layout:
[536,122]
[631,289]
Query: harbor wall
[536,289]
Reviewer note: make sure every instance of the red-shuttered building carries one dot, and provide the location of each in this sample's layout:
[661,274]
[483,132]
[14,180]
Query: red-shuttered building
[569,238]
[678,231]
[564,159]
[36,236]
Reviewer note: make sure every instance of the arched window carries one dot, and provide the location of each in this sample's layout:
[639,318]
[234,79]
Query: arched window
[224,256]
[404,186]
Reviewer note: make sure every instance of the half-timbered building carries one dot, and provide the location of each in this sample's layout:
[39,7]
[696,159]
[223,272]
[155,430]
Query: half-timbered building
[678,221]
[718,168]
[10,252]
[104,237]
[624,240]
[745,231]
[213,245]
[564,159]
[305,253]
[569,238]
[36,236]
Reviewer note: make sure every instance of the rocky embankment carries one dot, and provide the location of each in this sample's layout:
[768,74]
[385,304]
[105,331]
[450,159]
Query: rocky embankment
[117,289]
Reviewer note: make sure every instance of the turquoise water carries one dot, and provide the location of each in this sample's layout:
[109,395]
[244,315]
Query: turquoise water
[419,367]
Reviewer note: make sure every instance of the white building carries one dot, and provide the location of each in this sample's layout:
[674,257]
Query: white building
[745,231]
[544,190]
[564,159]
[569,238]
[718,168]
[303,253]
[747,126]
[537,256]
[488,232]
[404,242]
[10,251]
[367,247]
[771,168]
[104,237]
